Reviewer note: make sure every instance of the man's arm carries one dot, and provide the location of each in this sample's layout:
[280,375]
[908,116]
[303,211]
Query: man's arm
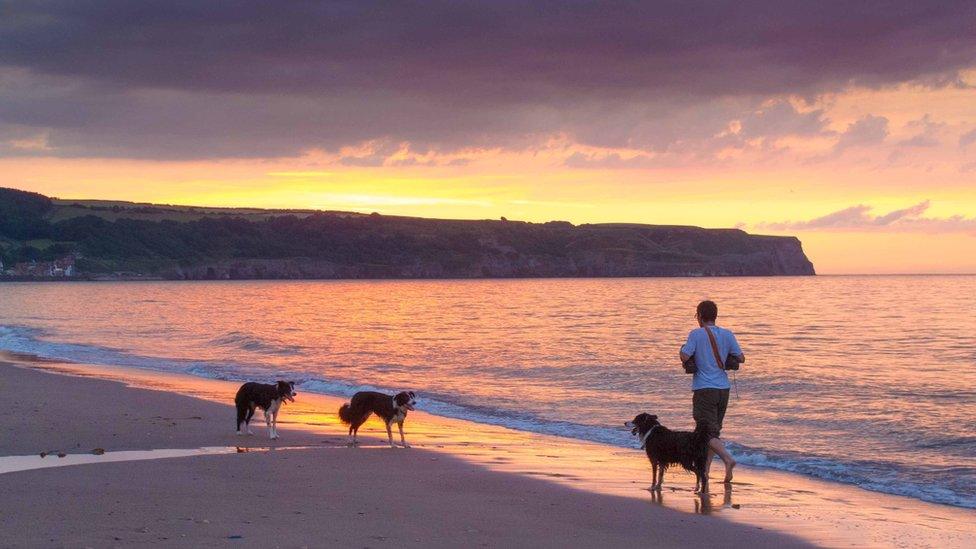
[736,350]
[688,348]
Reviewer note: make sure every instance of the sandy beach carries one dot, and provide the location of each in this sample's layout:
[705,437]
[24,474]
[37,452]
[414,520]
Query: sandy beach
[461,484]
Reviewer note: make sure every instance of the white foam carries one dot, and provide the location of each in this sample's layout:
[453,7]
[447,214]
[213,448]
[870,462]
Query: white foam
[878,476]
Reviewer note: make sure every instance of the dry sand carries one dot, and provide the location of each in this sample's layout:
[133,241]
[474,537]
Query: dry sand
[463,484]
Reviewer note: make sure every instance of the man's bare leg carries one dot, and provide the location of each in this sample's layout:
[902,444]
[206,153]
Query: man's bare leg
[716,447]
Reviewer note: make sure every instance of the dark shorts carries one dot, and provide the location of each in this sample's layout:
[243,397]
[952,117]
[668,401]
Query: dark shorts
[708,408]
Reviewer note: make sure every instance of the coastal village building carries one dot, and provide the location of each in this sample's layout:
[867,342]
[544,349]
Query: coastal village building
[59,268]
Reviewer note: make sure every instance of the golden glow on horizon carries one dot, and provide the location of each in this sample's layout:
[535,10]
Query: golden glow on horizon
[750,186]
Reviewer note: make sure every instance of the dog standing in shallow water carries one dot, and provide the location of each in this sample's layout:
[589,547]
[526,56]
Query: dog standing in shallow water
[665,447]
[265,396]
[391,409]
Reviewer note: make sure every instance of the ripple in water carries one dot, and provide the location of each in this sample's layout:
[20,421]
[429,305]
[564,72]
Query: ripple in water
[863,380]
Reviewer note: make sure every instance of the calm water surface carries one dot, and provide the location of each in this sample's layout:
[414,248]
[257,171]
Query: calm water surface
[862,380]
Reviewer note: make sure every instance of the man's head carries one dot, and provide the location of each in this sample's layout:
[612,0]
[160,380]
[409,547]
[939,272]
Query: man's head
[707,312]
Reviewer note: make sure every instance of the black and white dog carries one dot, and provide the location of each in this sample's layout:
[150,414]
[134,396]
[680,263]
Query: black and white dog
[665,448]
[391,409]
[265,396]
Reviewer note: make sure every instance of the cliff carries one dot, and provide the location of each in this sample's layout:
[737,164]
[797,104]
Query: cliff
[207,243]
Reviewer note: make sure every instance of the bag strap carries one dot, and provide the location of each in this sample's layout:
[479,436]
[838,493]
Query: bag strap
[718,358]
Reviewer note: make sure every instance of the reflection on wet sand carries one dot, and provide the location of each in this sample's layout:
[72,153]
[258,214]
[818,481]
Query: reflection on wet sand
[704,504]
[826,513]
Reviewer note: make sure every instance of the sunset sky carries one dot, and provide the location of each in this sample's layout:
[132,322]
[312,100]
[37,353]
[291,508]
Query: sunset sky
[849,124]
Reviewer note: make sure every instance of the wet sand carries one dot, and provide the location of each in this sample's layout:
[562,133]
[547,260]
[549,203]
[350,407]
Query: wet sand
[462,483]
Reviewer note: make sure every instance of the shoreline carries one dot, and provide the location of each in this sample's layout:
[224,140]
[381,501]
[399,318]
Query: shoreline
[325,495]
[810,510]
[87,277]
[753,456]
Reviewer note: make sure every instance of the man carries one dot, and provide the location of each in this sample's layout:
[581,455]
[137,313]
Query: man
[710,384]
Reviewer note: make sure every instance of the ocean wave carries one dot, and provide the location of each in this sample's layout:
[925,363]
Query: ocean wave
[245,342]
[36,342]
[925,483]
[922,483]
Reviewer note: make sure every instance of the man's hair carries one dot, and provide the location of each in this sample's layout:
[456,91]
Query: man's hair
[707,311]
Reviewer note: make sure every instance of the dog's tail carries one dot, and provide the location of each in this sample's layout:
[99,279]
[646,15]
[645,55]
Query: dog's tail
[345,413]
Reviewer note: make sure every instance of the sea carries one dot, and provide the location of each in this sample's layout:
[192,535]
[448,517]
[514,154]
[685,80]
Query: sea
[862,380]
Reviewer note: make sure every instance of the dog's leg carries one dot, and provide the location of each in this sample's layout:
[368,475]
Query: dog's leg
[275,407]
[250,414]
[658,475]
[653,476]
[241,414]
[402,439]
[358,422]
[354,428]
[267,421]
[389,433]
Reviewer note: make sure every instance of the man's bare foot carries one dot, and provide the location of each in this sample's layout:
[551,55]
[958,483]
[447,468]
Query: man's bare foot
[728,472]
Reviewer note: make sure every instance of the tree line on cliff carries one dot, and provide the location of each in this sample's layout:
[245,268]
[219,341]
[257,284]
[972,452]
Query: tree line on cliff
[397,246]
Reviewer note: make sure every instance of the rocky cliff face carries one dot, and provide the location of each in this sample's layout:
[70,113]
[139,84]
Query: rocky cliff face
[545,251]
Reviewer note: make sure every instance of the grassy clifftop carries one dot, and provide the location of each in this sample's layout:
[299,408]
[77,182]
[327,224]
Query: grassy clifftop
[192,242]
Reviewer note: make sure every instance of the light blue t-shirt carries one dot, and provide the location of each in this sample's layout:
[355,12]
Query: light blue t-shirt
[710,375]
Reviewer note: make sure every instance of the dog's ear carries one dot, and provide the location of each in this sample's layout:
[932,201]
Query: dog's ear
[652,417]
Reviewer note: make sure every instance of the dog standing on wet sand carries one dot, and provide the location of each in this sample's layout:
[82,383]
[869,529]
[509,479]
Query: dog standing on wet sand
[665,448]
[391,409]
[265,396]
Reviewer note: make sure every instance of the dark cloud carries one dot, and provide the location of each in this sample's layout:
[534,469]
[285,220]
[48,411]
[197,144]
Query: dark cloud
[927,133]
[608,161]
[212,79]
[921,140]
[867,130]
[374,158]
[967,138]
[860,218]
[781,119]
